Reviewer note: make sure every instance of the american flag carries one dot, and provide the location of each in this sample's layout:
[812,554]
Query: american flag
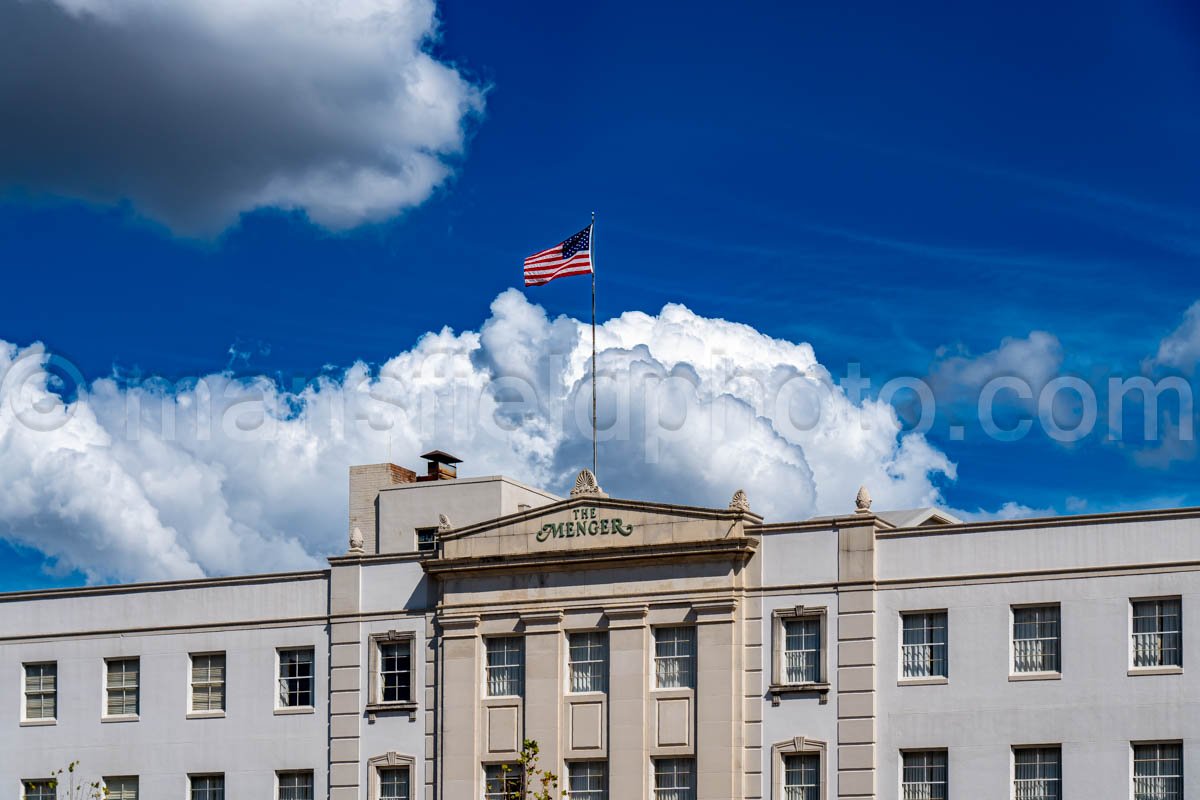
[572,257]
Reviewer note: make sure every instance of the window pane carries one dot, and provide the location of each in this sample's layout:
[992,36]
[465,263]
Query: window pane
[924,645]
[121,788]
[395,672]
[1158,771]
[1157,633]
[121,686]
[674,779]
[923,775]
[587,780]
[802,777]
[393,783]
[41,691]
[295,678]
[1036,639]
[505,656]
[1037,773]
[501,782]
[802,650]
[295,786]
[208,787]
[674,657]
[588,656]
[39,790]
[208,682]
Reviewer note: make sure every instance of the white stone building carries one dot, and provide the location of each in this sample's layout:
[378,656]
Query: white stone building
[652,650]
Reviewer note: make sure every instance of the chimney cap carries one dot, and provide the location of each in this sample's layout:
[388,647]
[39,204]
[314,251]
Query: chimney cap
[440,457]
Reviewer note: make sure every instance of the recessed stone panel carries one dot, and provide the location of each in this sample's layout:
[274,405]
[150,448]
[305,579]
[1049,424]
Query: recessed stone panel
[674,722]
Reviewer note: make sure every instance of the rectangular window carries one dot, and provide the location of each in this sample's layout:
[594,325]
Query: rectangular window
[208,682]
[802,650]
[1036,639]
[1157,633]
[393,783]
[802,777]
[923,652]
[1037,773]
[501,782]
[121,687]
[39,790]
[675,658]
[296,678]
[923,776]
[1158,771]
[505,659]
[674,779]
[395,671]
[41,690]
[295,786]
[427,540]
[587,780]
[207,787]
[125,788]
[588,656]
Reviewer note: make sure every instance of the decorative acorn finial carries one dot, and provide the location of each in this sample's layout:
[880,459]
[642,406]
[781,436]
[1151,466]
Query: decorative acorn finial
[740,502]
[356,541]
[862,502]
[444,523]
[585,485]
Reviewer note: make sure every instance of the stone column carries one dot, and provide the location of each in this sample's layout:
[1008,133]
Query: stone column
[459,772]
[346,671]
[856,654]
[627,691]
[718,699]
[544,685]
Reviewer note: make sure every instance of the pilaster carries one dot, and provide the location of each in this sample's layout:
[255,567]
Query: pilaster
[856,660]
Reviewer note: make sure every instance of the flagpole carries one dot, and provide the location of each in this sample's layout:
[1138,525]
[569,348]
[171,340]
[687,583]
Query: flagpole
[592,247]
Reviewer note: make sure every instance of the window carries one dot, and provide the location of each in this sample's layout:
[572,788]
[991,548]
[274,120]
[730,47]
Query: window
[1157,633]
[588,655]
[121,687]
[1037,773]
[675,658]
[393,783]
[395,671]
[1158,771]
[802,650]
[427,540]
[923,652]
[1036,639]
[501,782]
[295,786]
[505,657]
[208,682]
[587,780]
[41,691]
[802,777]
[207,787]
[923,776]
[674,779]
[121,788]
[295,678]
[40,790]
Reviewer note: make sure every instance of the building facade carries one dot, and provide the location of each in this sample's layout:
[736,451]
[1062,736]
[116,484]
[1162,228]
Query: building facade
[651,650]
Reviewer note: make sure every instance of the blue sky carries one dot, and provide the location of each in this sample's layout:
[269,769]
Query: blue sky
[879,181]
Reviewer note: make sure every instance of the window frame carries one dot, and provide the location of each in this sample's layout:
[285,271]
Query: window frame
[392,760]
[586,793]
[375,701]
[780,618]
[488,667]
[108,779]
[1030,675]
[515,771]
[692,658]
[1020,748]
[603,662]
[1154,669]
[289,773]
[427,551]
[1182,774]
[105,716]
[922,680]
[41,692]
[944,752]
[654,787]
[280,707]
[47,782]
[799,746]
[192,711]
[192,776]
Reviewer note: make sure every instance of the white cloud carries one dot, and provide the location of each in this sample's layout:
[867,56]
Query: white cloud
[958,375]
[1180,349]
[223,475]
[198,110]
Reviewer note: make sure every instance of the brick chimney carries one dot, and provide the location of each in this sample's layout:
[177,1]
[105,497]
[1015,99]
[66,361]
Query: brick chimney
[365,483]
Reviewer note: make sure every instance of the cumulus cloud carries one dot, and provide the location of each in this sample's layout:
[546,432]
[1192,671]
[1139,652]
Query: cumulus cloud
[958,376]
[1180,349]
[226,474]
[195,111]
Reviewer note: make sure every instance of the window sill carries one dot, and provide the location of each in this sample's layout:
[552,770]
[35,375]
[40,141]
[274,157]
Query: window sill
[1035,676]
[121,718]
[1135,671]
[290,710]
[206,715]
[586,695]
[39,723]
[383,708]
[777,690]
[938,681]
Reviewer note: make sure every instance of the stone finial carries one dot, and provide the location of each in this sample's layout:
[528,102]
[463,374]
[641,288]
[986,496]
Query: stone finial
[356,541]
[862,502]
[740,502]
[444,523]
[585,485]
